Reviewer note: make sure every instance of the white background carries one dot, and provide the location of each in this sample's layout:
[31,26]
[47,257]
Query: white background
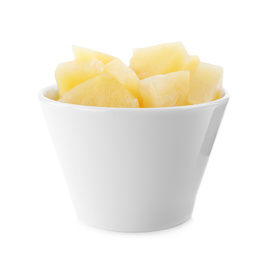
[37,219]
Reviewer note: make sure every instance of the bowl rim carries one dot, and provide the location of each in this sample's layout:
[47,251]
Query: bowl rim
[44,99]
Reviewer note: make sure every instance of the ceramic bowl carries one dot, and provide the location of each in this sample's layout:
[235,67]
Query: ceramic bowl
[133,169]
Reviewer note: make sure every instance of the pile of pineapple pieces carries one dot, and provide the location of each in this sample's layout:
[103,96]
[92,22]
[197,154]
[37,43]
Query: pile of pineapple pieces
[164,75]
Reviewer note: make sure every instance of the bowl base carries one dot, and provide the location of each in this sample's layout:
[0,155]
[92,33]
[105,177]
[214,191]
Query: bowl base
[134,229]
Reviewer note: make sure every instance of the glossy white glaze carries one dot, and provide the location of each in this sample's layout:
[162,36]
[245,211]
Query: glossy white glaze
[133,169]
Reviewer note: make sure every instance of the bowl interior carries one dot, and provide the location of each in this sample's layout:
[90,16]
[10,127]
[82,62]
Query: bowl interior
[52,93]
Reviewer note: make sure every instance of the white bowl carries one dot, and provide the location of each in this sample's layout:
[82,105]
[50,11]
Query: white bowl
[133,169]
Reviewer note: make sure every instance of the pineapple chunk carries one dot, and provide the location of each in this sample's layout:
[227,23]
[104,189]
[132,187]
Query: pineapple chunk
[159,59]
[165,90]
[192,65]
[81,53]
[125,76]
[218,94]
[102,91]
[206,82]
[69,74]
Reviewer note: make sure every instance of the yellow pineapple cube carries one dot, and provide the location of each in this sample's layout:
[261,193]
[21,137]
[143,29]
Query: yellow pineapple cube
[165,90]
[69,74]
[81,53]
[192,65]
[103,91]
[206,82]
[125,76]
[159,59]
[218,94]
